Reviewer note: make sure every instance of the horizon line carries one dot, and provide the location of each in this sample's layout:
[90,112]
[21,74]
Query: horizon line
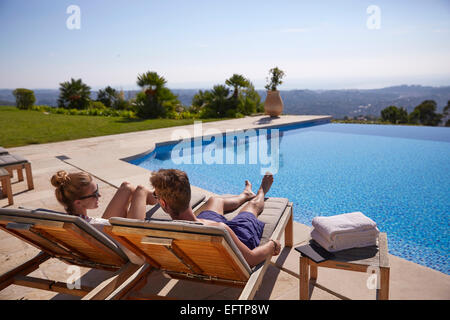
[258,89]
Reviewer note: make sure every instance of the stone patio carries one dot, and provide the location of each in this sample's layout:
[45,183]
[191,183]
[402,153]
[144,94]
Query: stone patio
[101,156]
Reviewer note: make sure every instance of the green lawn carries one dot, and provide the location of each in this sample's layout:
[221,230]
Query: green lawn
[22,127]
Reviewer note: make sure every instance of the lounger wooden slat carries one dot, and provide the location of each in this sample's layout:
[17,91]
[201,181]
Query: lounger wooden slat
[137,281]
[27,267]
[205,253]
[284,226]
[37,241]
[68,238]
[73,241]
[93,247]
[64,240]
[196,252]
[50,285]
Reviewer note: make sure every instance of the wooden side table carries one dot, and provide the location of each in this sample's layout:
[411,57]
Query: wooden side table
[355,259]
[5,178]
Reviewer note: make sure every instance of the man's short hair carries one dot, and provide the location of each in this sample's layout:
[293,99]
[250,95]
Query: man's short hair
[173,186]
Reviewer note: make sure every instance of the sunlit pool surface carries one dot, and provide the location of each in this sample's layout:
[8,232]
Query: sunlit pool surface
[399,176]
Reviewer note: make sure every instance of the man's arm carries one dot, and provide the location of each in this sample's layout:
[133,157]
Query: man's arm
[255,256]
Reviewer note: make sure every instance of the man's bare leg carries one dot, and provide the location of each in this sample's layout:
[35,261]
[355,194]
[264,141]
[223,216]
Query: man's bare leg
[256,205]
[225,204]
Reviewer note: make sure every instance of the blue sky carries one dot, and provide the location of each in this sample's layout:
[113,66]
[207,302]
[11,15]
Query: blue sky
[199,43]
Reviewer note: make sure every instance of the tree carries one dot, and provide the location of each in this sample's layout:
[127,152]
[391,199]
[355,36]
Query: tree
[245,100]
[155,100]
[275,79]
[425,114]
[74,95]
[108,96]
[447,113]
[249,101]
[447,109]
[237,81]
[151,82]
[219,103]
[214,103]
[24,98]
[394,115]
[200,101]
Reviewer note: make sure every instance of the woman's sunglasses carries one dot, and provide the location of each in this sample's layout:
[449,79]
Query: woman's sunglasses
[96,194]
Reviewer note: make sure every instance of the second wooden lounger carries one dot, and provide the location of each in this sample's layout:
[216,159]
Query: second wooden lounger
[193,251]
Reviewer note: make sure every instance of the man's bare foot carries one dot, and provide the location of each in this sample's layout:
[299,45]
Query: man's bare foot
[266,182]
[248,190]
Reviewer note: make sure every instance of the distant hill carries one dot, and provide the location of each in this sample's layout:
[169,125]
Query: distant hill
[338,103]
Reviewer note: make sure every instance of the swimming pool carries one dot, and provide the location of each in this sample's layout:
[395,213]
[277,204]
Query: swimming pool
[399,176]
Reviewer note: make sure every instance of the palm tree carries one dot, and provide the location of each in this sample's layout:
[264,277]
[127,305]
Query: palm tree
[237,81]
[155,100]
[219,100]
[74,95]
[150,82]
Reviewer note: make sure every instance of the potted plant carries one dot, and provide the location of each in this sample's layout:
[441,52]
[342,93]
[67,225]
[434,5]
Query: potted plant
[273,105]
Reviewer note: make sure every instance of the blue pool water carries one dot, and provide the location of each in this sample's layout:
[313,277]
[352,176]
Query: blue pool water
[399,176]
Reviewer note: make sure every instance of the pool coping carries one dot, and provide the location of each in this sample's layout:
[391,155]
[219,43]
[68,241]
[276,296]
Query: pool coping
[322,120]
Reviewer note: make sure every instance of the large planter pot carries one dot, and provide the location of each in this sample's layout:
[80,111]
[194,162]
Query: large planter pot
[273,106]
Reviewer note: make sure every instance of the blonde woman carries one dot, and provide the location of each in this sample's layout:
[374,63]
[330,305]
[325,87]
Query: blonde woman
[78,193]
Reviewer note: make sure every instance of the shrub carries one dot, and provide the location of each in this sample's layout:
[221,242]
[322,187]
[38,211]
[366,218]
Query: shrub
[231,113]
[187,115]
[96,105]
[95,112]
[25,98]
[128,114]
[42,108]
[394,115]
[425,113]
[61,111]
[122,104]
[172,115]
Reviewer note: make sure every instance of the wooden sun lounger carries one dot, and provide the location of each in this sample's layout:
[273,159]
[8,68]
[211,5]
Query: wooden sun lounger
[13,162]
[5,179]
[68,238]
[71,240]
[193,251]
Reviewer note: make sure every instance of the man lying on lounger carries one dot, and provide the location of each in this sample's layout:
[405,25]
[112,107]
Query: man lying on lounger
[173,192]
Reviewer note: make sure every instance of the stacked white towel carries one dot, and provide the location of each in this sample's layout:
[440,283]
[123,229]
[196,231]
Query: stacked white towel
[344,231]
